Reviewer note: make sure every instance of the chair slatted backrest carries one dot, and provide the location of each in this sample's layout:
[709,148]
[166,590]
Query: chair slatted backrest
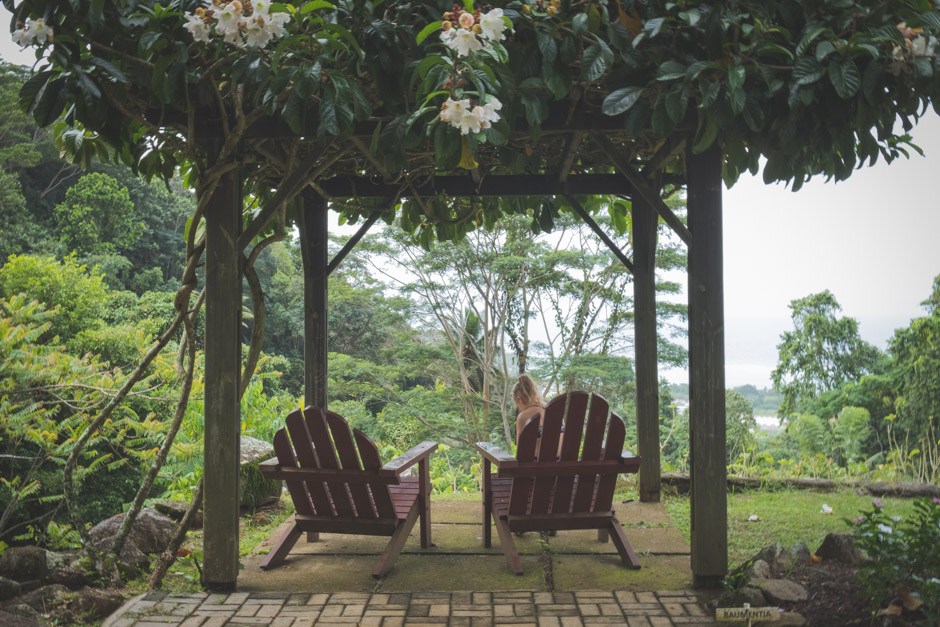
[587,431]
[317,439]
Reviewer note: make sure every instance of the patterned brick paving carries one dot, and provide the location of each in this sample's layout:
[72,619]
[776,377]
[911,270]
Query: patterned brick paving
[535,609]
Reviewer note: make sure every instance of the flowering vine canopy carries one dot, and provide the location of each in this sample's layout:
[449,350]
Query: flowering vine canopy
[813,87]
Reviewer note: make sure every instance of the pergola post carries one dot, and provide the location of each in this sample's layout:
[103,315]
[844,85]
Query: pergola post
[313,245]
[223,363]
[647,371]
[707,371]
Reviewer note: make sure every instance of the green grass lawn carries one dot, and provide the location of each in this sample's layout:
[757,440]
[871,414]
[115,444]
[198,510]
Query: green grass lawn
[785,517]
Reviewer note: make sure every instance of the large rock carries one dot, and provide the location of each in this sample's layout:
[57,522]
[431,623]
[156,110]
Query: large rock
[65,568]
[782,590]
[255,490]
[839,547]
[151,532]
[8,589]
[94,604]
[790,619]
[24,563]
[8,619]
[740,596]
[782,560]
[44,598]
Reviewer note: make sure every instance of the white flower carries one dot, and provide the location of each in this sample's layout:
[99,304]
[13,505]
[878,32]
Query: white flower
[277,23]
[452,110]
[753,518]
[227,21]
[480,114]
[471,121]
[493,25]
[825,509]
[490,110]
[40,31]
[896,518]
[885,528]
[257,34]
[462,41]
[261,7]
[197,27]
[22,37]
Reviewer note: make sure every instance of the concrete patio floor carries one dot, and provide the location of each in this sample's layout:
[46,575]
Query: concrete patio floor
[569,579]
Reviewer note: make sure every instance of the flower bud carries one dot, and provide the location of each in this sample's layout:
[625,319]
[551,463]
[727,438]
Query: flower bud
[476,29]
[446,26]
[526,9]
[466,20]
[552,9]
[238,6]
[200,12]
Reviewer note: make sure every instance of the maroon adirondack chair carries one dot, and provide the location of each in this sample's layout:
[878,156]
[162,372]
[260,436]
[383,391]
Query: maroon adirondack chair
[337,490]
[542,490]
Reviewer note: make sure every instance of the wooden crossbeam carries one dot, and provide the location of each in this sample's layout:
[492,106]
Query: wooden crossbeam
[594,226]
[493,185]
[643,189]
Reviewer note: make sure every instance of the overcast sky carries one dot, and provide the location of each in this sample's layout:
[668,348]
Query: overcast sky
[874,241]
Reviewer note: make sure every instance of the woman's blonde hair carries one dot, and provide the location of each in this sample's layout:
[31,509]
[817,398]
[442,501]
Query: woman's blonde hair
[526,391]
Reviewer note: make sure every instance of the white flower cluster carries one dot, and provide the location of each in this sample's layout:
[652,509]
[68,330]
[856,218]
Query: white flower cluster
[473,31]
[249,23]
[916,45]
[31,32]
[470,119]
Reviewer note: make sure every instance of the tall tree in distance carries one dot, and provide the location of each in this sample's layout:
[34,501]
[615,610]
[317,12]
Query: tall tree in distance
[822,352]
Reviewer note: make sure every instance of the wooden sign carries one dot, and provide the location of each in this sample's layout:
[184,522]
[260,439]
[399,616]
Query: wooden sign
[746,613]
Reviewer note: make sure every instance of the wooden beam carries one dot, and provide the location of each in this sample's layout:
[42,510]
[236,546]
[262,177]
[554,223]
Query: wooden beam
[352,241]
[643,189]
[594,226]
[646,358]
[560,119]
[286,192]
[707,371]
[313,227]
[567,158]
[223,362]
[491,185]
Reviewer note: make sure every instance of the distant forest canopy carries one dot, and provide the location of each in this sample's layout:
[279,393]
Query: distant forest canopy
[764,401]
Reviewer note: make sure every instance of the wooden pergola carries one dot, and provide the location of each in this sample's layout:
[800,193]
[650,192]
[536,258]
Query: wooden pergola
[586,154]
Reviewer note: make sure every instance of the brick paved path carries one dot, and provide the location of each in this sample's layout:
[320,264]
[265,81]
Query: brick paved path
[536,609]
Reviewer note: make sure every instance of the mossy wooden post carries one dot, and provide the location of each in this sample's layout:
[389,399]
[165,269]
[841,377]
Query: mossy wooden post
[647,372]
[313,244]
[707,371]
[223,363]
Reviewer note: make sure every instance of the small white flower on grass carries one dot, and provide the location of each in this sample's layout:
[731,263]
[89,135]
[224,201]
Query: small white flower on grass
[896,518]
[753,518]
[825,509]
[885,528]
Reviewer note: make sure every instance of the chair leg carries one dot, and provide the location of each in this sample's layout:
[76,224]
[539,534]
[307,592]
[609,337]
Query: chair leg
[487,505]
[627,554]
[509,546]
[395,544]
[424,502]
[283,546]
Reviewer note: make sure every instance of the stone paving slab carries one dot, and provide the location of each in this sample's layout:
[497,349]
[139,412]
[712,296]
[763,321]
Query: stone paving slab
[585,607]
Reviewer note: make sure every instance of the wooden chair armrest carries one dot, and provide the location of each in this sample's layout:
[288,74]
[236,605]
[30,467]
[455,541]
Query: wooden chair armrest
[269,466]
[409,458]
[496,455]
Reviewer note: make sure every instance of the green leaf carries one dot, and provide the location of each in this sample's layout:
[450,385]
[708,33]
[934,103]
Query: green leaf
[426,32]
[930,19]
[845,77]
[677,102]
[811,36]
[446,146]
[547,46]
[807,71]
[707,133]
[315,5]
[579,23]
[671,70]
[594,64]
[621,100]
[824,49]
